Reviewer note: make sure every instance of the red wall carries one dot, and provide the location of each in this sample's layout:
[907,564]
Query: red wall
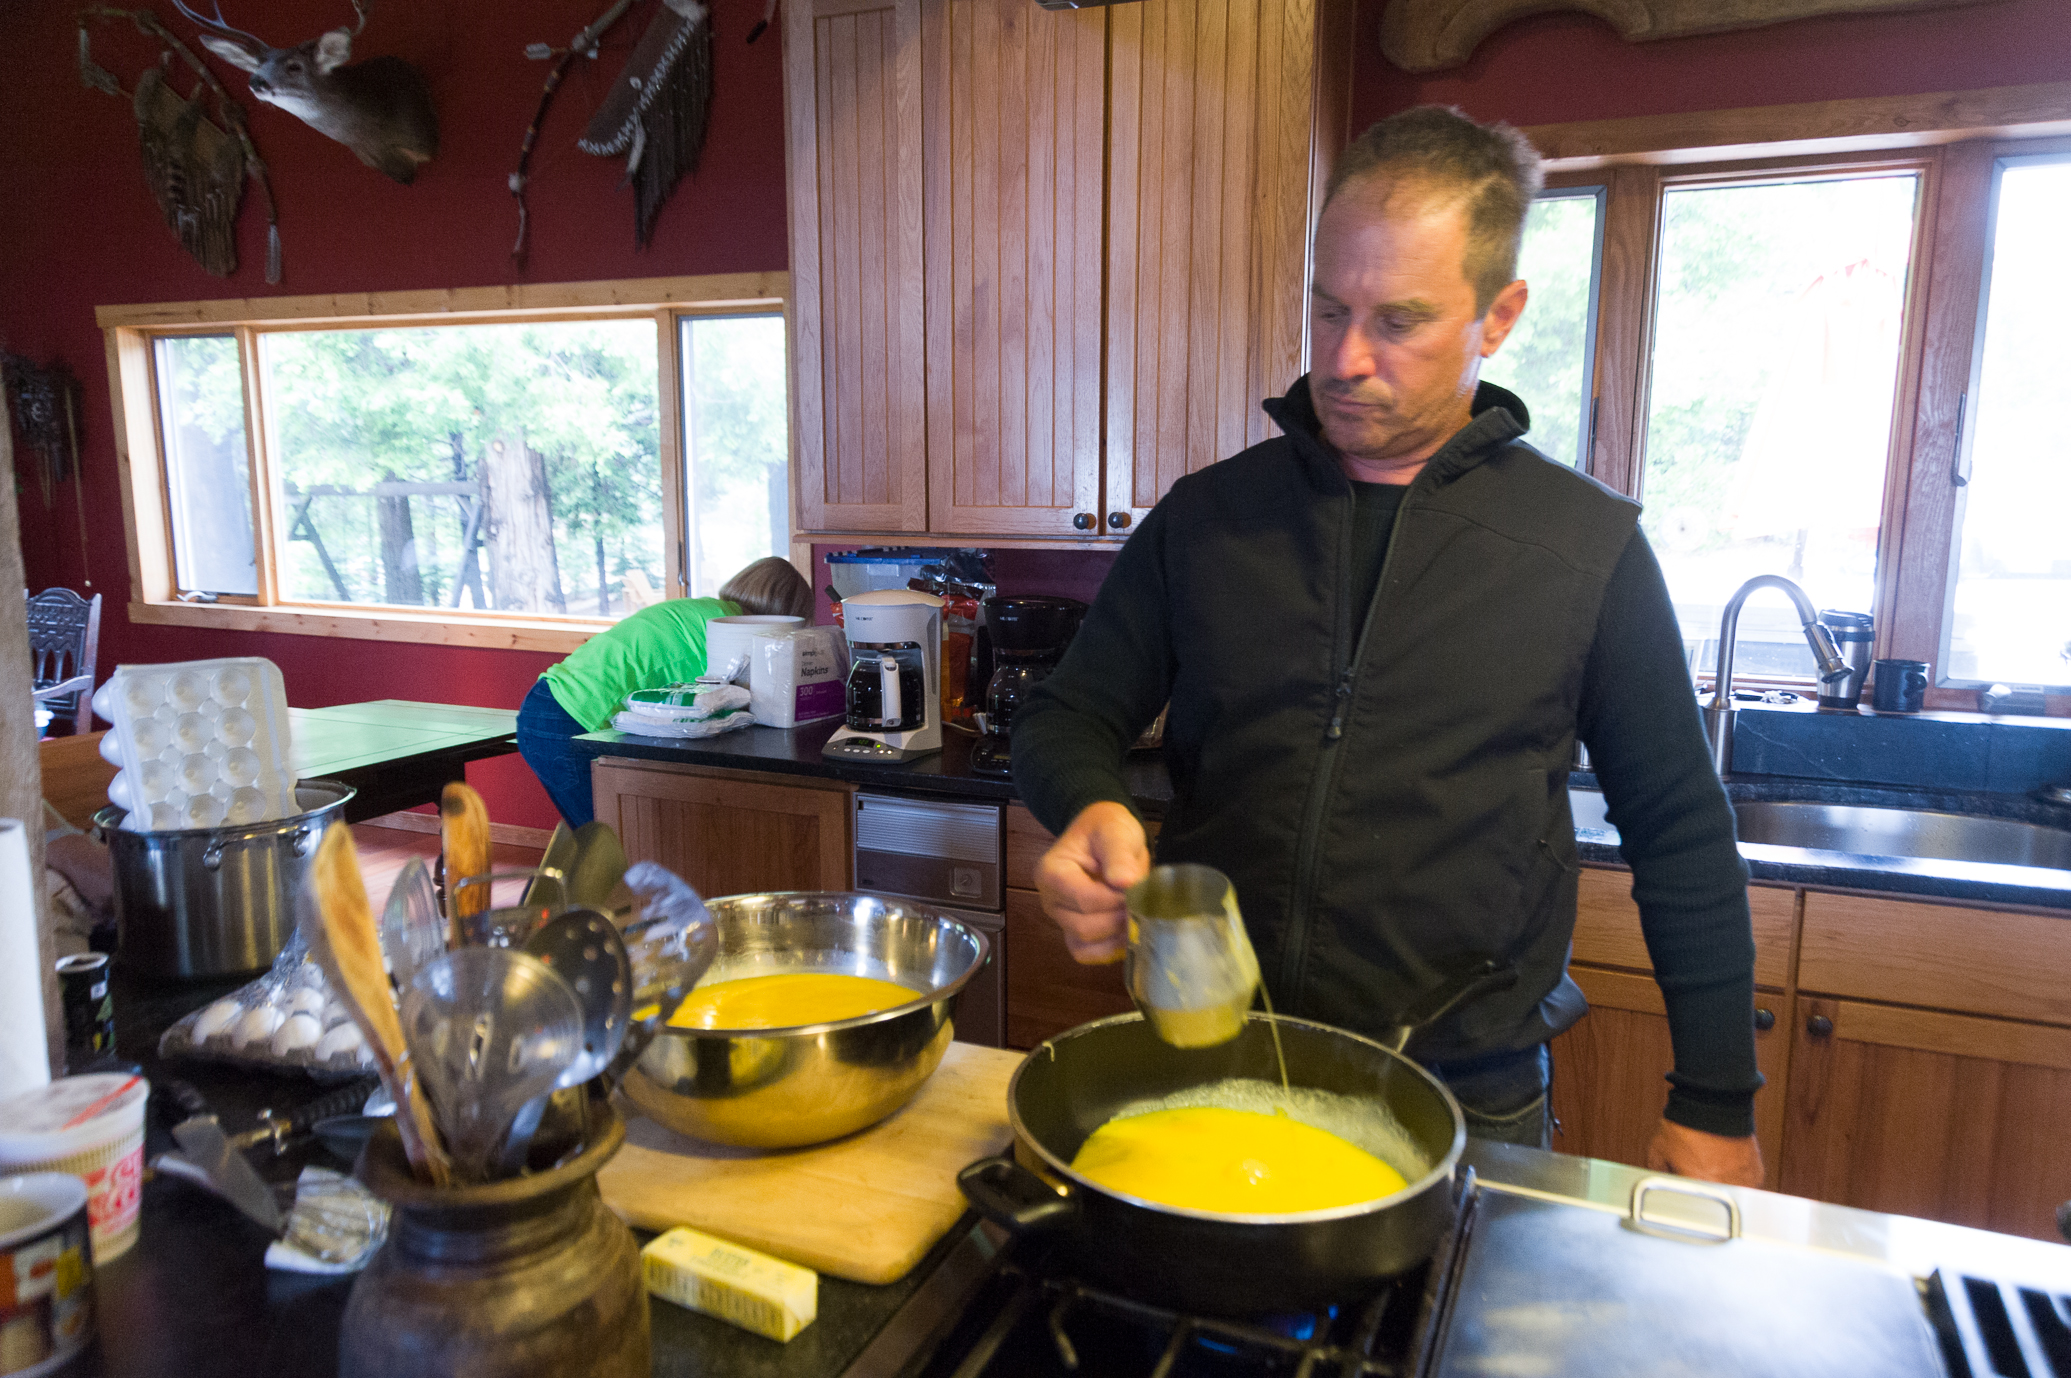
[1558,67]
[78,229]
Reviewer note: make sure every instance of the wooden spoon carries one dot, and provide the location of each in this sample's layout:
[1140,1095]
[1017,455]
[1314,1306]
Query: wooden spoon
[345,943]
[464,826]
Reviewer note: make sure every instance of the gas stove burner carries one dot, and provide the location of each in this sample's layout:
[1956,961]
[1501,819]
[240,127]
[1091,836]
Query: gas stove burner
[1043,1326]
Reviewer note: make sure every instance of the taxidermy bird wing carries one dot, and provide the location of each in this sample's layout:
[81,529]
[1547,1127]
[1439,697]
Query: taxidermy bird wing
[656,110]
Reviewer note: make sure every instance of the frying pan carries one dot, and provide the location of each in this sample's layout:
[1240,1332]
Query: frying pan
[1221,1263]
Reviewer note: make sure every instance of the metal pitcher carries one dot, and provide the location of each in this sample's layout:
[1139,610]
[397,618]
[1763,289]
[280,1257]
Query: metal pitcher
[1191,968]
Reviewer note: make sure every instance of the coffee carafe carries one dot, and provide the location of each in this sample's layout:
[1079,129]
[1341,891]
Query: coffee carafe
[893,696]
[1029,636]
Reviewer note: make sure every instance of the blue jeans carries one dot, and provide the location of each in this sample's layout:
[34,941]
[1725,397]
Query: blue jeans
[544,732]
[1504,1096]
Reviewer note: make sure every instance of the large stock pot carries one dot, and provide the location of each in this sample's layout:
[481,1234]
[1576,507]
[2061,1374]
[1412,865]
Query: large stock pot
[194,903]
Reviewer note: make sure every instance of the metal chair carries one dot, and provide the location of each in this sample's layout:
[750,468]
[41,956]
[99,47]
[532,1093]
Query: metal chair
[64,641]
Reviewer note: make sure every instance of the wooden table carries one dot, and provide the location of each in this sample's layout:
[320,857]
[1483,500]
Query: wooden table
[396,752]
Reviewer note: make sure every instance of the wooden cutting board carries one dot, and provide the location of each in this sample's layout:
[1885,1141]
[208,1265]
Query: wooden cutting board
[865,1208]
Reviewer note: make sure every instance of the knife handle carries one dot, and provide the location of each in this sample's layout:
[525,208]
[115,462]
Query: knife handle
[278,1129]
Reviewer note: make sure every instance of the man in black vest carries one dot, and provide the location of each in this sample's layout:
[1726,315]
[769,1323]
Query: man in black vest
[1381,635]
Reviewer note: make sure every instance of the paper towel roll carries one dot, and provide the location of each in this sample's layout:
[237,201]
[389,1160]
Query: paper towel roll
[24,1053]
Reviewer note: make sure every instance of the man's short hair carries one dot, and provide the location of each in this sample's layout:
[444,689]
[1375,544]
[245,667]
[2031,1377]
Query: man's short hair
[1435,151]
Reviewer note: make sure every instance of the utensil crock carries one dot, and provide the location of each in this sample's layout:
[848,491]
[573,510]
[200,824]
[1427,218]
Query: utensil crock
[530,1276]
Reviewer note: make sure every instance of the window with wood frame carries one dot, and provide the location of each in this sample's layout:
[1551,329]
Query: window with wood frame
[507,467]
[1825,343]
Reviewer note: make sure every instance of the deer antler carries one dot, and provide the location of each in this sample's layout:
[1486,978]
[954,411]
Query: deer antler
[219,26]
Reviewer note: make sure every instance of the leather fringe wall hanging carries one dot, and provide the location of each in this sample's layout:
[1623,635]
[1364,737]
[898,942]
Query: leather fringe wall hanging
[656,110]
[194,166]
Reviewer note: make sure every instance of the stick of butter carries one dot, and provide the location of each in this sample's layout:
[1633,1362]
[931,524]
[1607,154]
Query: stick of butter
[747,1289]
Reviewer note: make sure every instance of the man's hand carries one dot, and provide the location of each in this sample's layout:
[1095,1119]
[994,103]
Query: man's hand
[1084,874]
[1691,1152]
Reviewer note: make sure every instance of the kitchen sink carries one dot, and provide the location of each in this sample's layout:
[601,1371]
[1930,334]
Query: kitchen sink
[1866,830]
[1903,832]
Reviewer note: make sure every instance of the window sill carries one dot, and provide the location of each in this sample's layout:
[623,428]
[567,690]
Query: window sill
[552,637]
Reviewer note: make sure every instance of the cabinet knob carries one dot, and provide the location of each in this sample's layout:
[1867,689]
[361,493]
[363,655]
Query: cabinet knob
[1819,1026]
[1765,1020]
[1083,521]
[1118,520]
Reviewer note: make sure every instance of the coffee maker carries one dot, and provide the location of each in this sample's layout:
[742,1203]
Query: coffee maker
[1028,639]
[894,691]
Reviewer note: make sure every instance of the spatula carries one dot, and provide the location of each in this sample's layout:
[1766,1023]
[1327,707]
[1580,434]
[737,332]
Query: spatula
[338,924]
[599,865]
[464,831]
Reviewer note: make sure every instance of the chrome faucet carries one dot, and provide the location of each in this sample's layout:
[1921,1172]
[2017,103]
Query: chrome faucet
[1718,715]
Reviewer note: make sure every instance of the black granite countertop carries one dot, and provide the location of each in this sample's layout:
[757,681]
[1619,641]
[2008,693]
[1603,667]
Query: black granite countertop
[796,751]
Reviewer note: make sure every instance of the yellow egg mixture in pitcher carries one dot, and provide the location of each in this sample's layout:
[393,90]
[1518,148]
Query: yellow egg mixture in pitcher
[785,999]
[1238,1162]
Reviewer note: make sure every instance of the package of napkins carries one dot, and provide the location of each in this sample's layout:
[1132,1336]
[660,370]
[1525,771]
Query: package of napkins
[799,676]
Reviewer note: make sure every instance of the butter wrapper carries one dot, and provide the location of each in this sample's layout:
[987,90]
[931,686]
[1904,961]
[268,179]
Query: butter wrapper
[737,1285]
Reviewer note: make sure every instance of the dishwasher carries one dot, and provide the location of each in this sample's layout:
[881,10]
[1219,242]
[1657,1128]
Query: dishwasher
[948,856]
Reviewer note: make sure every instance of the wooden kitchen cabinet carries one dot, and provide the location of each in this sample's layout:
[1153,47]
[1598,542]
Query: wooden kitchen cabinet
[730,832]
[1607,926]
[1013,113]
[965,173]
[1609,1070]
[1223,121]
[854,180]
[1924,1113]
[1047,990]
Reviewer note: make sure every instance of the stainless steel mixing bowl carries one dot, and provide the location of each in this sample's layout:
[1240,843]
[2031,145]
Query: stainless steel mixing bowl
[783,1088]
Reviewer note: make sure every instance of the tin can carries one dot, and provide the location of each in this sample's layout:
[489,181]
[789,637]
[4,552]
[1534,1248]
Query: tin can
[46,1300]
[89,1007]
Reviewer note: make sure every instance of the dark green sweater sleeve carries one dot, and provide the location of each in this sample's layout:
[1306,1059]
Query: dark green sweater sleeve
[1639,720]
[1073,735]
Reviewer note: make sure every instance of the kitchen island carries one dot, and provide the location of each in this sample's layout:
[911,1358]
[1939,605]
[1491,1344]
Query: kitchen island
[194,1297]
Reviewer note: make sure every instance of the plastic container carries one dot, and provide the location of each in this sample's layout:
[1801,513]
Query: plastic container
[731,638]
[93,1128]
[289,1020]
[198,744]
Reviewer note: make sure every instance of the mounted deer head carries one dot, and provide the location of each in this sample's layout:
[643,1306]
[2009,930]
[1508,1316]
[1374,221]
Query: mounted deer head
[378,108]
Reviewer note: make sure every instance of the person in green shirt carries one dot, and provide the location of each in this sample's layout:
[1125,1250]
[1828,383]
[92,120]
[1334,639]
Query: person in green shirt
[658,645]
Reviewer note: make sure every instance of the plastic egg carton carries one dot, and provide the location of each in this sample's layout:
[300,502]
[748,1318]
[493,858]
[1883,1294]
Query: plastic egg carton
[286,1020]
[202,744]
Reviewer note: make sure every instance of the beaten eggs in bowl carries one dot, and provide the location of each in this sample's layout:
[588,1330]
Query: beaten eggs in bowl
[725,1072]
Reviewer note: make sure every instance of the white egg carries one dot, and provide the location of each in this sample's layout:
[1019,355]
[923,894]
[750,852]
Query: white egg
[299,1031]
[343,1040]
[259,1024]
[307,1000]
[214,1020]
